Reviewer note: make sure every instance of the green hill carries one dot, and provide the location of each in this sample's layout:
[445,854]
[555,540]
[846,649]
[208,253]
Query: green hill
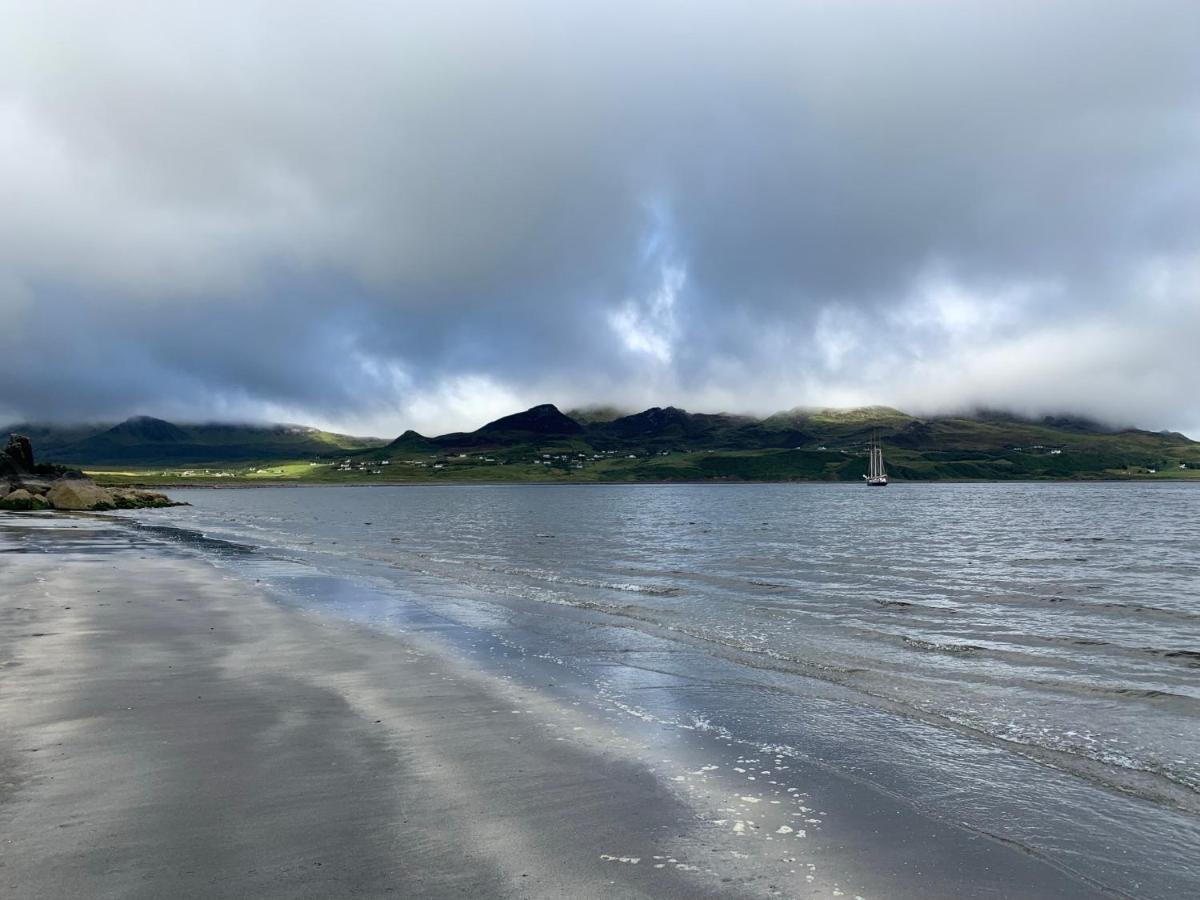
[409,442]
[143,440]
[658,444]
[672,444]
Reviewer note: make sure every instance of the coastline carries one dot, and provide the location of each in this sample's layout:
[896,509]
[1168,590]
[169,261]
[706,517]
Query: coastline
[175,731]
[249,485]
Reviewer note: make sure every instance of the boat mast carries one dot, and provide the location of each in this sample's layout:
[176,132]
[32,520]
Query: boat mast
[874,458]
[875,474]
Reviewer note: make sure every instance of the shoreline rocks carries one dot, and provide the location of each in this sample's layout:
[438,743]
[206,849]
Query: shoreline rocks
[25,486]
[74,494]
[21,499]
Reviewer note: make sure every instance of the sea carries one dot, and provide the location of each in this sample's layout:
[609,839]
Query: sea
[1020,659]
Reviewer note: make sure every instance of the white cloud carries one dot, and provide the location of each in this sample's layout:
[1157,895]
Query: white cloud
[647,325]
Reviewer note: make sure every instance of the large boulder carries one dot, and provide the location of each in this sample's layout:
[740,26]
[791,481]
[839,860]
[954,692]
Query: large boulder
[21,499]
[71,494]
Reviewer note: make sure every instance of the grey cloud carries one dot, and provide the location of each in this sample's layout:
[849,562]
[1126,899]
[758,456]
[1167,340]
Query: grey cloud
[357,215]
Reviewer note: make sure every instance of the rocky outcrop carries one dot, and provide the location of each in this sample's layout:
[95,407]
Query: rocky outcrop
[26,486]
[19,454]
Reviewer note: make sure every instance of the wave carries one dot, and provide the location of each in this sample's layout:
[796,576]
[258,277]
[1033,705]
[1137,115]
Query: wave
[1112,765]
[1141,693]
[942,646]
[1143,608]
[557,577]
[1190,658]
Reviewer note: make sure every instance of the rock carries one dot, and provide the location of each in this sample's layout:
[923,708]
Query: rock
[16,463]
[131,499]
[19,453]
[77,495]
[21,499]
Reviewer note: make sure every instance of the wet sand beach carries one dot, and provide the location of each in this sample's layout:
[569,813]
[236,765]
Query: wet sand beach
[170,730]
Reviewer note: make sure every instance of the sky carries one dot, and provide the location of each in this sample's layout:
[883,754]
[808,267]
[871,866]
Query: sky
[379,216]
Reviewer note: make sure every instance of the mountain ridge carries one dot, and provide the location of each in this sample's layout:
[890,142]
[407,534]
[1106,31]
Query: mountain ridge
[803,443]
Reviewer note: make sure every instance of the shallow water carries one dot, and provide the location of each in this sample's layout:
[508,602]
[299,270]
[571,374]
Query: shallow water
[1020,658]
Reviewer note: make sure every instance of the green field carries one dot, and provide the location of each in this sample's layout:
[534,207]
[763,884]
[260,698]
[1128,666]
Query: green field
[565,466]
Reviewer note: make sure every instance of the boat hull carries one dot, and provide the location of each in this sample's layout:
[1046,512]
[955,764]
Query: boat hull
[878,482]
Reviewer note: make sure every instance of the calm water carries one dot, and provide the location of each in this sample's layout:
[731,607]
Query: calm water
[1021,658]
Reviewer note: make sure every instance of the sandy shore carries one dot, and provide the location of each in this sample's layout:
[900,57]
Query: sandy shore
[171,731]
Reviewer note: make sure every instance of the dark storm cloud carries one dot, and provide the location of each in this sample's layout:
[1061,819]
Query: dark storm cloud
[385,215]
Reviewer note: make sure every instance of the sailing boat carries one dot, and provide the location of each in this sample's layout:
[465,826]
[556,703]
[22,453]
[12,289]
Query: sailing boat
[876,476]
